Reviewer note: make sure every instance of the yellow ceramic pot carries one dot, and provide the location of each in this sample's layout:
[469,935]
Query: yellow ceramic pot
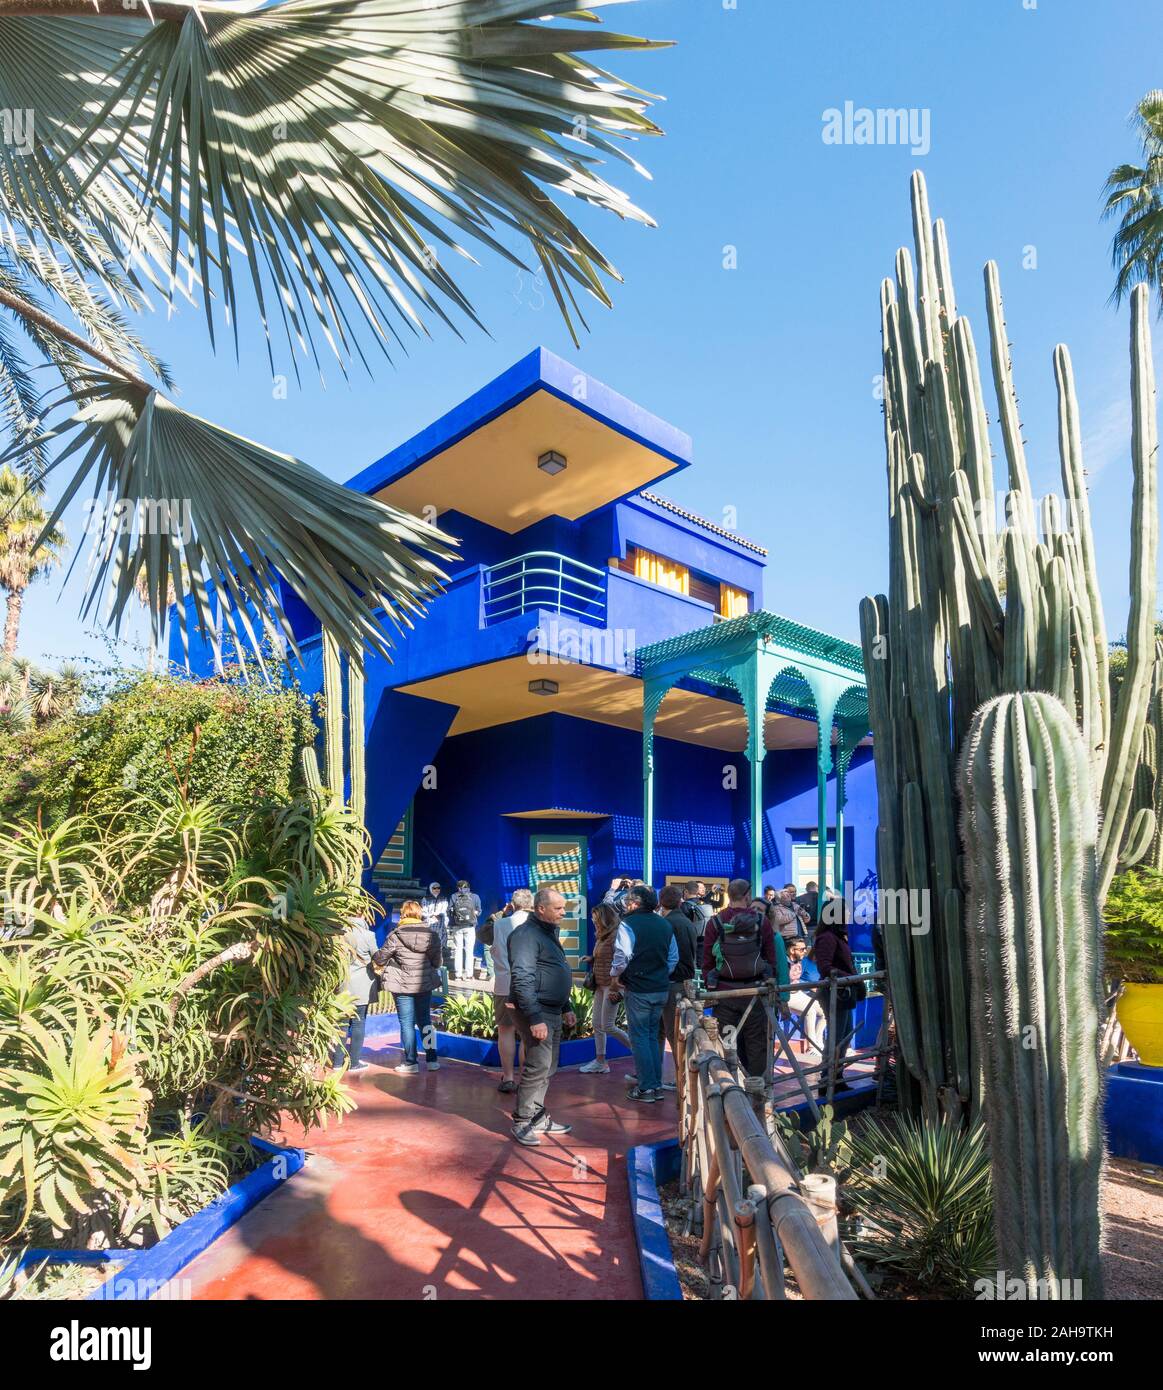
[1140,1011]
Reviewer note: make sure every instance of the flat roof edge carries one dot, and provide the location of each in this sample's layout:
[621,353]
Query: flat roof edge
[539,370]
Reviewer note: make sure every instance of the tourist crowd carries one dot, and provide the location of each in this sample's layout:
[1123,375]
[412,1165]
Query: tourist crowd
[647,945]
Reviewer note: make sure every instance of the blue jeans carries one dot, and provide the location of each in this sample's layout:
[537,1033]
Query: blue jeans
[352,1039]
[415,1011]
[644,1017]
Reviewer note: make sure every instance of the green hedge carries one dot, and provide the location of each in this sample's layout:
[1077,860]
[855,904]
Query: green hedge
[223,738]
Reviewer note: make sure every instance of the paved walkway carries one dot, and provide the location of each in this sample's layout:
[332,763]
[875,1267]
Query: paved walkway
[421,1193]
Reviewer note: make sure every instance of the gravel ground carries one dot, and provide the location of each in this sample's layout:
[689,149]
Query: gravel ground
[1133,1239]
[1133,1236]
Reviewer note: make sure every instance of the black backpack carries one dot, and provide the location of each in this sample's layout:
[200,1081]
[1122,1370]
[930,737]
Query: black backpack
[739,949]
[690,910]
[462,911]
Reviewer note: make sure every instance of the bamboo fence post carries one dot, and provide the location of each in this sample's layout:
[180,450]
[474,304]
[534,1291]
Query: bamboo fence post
[745,1225]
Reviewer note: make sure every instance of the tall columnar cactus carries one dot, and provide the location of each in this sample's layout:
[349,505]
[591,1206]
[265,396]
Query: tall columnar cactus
[332,716]
[356,753]
[1034,948]
[980,604]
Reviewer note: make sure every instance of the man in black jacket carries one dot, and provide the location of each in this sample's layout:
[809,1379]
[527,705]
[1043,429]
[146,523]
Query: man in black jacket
[539,991]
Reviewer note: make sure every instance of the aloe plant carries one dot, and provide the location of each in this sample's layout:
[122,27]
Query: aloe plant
[174,959]
[976,609]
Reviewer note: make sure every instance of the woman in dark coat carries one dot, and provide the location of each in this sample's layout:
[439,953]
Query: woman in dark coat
[411,972]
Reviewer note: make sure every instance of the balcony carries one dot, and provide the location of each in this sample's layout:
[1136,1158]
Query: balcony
[543,579]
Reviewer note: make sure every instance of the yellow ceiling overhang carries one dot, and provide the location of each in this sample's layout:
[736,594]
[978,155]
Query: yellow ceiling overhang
[557,813]
[605,696]
[492,473]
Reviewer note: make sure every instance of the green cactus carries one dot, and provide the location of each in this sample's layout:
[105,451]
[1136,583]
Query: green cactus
[332,717]
[1030,829]
[310,765]
[974,611]
[356,752]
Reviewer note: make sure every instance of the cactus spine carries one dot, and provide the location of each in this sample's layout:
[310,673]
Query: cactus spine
[1035,957]
[945,640]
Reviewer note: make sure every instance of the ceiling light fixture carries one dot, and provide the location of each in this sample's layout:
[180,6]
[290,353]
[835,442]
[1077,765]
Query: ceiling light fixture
[551,462]
[543,687]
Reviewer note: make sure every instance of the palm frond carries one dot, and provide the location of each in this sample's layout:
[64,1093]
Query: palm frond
[249,519]
[348,143]
[1134,194]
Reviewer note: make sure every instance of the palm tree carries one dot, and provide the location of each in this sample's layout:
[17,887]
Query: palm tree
[29,547]
[1135,195]
[326,162]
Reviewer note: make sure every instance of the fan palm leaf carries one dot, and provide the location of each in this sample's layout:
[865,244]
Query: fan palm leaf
[330,158]
[343,142]
[1134,194]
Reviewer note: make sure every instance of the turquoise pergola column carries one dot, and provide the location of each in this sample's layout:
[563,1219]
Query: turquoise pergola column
[749,655]
[654,692]
[826,698]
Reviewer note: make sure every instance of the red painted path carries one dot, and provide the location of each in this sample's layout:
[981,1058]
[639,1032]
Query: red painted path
[421,1193]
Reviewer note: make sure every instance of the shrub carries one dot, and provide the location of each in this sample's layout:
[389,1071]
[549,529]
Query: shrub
[221,738]
[1134,927]
[475,1015]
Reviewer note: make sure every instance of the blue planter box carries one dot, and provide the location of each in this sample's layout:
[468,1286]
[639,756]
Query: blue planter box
[383,1032]
[144,1274]
[648,1168]
[1134,1112]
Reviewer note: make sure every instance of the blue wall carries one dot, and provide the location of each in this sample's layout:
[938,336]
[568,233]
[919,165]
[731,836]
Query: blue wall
[558,760]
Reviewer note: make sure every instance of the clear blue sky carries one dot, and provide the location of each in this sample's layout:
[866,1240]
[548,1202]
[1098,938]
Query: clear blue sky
[770,366]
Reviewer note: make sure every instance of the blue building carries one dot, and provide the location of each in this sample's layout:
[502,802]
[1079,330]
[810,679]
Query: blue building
[505,740]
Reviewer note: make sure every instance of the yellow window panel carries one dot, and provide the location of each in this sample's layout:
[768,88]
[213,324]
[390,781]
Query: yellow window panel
[656,569]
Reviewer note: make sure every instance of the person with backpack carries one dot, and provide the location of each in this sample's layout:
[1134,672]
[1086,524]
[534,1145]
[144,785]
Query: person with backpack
[411,971]
[741,949]
[464,910]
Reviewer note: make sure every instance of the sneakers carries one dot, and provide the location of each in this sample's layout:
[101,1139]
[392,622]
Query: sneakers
[597,1067]
[507,1088]
[631,1078]
[548,1125]
[669,1086]
[357,1066]
[433,1065]
[408,1069]
[524,1133]
[646,1097]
